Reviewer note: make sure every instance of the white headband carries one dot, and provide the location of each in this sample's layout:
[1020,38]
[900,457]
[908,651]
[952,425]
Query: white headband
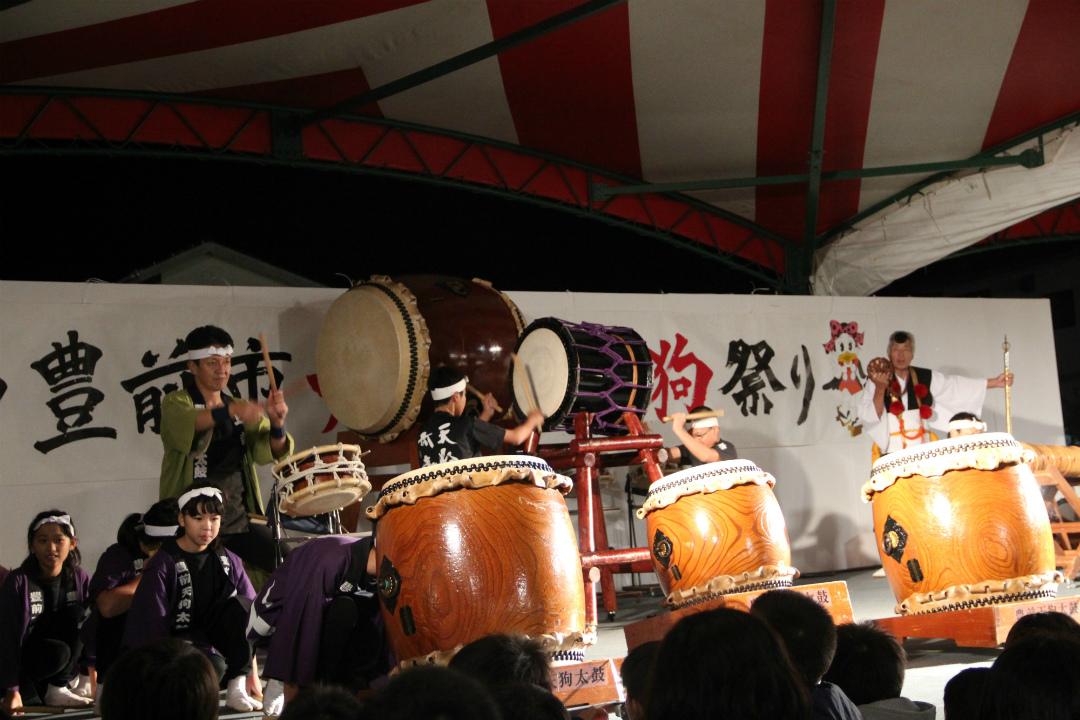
[705,423]
[160,530]
[445,392]
[58,519]
[206,352]
[196,492]
[976,425]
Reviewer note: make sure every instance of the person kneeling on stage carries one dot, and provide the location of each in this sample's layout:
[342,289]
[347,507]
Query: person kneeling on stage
[449,434]
[701,440]
[117,576]
[965,423]
[319,613]
[197,590]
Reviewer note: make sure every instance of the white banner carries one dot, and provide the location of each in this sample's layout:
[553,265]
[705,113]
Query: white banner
[83,367]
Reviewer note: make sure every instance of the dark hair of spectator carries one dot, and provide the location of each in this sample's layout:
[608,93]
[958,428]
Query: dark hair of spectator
[322,702]
[1055,624]
[806,629]
[1037,677]
[432,692]
[868,665]
[497,660]
[724,664]
[168,679]
[526,701]
[637,669]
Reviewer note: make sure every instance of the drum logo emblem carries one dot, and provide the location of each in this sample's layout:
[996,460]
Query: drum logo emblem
[894,539]
[389,584]
[662,548]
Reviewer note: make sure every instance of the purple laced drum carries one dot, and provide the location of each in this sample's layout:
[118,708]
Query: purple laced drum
[583,367]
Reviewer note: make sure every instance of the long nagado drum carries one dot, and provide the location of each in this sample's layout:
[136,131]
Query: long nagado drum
[380,339]
[579,367]
[717,529]
[960,523]
[320,480]
[474,547]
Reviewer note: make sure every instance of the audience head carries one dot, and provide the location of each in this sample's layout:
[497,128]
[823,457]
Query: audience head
[868,665]
[167,679]
[806,629]
[497,660]
[432,692]
[322,702]
[526,701]
[964,694]
[1055,624]
[724,664]
[636,672]
[1037,677]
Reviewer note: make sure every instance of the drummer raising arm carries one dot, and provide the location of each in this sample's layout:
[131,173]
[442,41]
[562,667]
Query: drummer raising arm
[449,434]
[701,440]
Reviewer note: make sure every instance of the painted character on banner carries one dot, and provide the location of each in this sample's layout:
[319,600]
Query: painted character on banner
[848,374]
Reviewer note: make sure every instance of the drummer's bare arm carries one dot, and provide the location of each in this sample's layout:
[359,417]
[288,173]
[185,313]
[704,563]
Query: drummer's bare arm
[490,407]
[698,449]
[519,434]
[276,410]
[1000,381]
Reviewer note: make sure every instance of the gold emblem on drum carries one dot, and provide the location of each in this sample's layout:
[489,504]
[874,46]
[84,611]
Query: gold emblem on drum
[894,539]
[389,584]
[662,548]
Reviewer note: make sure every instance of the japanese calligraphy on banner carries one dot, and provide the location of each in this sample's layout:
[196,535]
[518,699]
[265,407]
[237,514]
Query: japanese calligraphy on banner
[83,369]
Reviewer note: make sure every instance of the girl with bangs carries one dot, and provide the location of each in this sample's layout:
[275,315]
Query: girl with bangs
[197,590]
[42,606]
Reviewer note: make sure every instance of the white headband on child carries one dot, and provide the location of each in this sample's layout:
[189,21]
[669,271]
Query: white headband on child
[58,519]
[196,492]
[957,425]
[445,392]
[160,530]
[200,353]
[705,423]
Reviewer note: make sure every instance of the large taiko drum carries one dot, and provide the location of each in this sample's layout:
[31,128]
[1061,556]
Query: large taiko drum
[960,523]
[320,480]
[578,367]
[380,340]
[474,547]
[717,529]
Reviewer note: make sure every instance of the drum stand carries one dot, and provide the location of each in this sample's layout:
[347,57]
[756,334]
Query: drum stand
[273,521]
[584,454]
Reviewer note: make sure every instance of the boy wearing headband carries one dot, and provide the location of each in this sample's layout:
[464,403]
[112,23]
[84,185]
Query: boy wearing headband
[42,606]
[198,591]
[211,436]
[700,438]
[450,435]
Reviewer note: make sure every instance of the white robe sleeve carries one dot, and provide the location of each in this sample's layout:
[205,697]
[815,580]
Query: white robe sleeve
[876,428]
[953,394]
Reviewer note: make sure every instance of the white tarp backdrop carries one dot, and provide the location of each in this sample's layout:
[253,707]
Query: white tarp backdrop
[94,358]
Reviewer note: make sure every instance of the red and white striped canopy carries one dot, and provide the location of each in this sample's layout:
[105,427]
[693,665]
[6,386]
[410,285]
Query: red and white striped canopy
[663,90]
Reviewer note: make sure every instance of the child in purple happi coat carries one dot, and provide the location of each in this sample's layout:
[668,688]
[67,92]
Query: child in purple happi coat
[42,606]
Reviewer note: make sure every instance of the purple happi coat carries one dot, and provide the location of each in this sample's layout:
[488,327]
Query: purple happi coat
[290,608]
[20,606]
[117,566]
[155,610]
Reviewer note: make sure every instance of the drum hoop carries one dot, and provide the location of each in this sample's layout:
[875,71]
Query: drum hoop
[987,451]
[773,576]
[317,452]
[489,471]
[573,371]
[703,480]
[515,312]
[986,592]
[418,372]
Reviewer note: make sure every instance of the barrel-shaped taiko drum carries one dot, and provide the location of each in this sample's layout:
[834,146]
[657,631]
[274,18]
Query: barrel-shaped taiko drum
[960,523]
[717,529]
[474,547]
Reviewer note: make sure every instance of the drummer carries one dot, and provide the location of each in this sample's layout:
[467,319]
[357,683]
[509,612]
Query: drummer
[449,434]
[900,404]
[965,423]
[700,438]
[211,436]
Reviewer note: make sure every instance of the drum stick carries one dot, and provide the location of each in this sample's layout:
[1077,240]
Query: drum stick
[532,389]
[1008,388]
[266,361]
[697,416]
[526,383]
[480,396]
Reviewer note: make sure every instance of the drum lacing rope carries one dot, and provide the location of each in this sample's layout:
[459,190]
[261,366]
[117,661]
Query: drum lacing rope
[539,466]
[1039,594]
[776,584]
[659,486]
[883,467]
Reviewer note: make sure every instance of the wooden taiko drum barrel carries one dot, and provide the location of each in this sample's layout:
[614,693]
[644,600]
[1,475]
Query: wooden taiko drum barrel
[474,547]
[717,529]
[379,341]
[960,523]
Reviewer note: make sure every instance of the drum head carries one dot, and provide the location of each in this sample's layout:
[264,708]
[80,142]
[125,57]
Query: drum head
[543,350]
[321,498]
[372,357]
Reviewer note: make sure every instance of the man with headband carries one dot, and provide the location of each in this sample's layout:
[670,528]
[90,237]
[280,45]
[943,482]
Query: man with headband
[700,438]
[211,436]
[901,403]
[449,434]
